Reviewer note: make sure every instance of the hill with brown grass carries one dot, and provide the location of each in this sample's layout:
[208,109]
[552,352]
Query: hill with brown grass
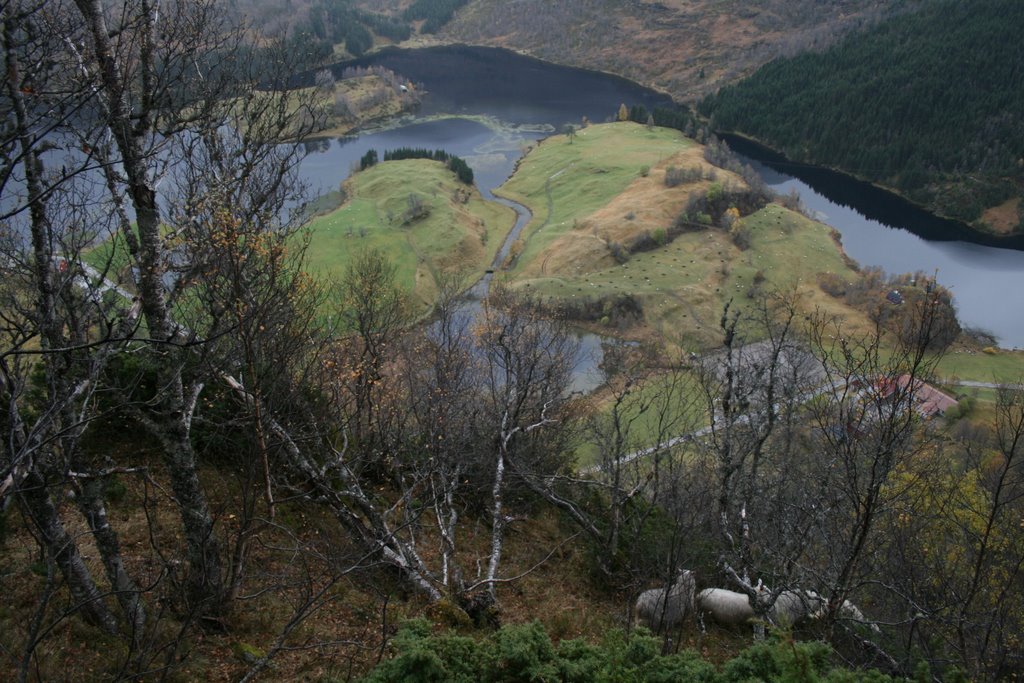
[686,48]
[610,225]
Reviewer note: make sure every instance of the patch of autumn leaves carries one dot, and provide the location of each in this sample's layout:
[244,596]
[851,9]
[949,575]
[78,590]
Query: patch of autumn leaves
[950,518]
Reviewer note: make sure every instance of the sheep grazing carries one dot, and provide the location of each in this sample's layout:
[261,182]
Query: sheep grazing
[655,612]
[726,607]
[791,607]
[794,607]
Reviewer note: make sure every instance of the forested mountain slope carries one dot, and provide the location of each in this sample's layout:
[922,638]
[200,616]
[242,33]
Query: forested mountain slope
[931,103]
[685,47]
[337,29]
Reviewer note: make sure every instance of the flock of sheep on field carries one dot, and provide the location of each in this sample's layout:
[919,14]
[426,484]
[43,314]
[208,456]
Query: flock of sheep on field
[729,608]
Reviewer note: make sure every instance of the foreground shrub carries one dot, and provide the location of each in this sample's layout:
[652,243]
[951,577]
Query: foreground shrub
[525,653]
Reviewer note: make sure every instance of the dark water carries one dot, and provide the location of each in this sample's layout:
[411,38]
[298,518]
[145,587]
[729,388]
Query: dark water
[477,80]
[512,100]
[985,274]
[330,161]
[872,202]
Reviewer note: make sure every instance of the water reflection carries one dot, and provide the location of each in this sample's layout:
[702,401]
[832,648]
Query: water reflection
[986,281]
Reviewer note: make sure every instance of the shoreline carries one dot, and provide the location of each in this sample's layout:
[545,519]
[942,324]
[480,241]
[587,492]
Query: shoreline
[991,237]
[1011,240]
[937,231]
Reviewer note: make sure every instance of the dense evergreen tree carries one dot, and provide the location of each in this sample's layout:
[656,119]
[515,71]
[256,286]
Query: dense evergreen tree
[437,13]
[929,102]
[367,160]
[461,169]
[415,153]
[331,22]
[457,165]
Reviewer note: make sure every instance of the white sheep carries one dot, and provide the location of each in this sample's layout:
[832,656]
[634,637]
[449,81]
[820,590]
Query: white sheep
[851,612]
[655,612]
[726,607]
[793,607]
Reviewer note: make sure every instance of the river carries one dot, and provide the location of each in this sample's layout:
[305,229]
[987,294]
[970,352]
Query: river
[486,105]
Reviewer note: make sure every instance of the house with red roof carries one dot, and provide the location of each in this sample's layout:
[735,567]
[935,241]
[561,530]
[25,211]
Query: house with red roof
[927,400]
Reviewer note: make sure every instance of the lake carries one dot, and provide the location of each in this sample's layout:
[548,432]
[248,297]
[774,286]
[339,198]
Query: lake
[503,101]
[484,105]
[985,273]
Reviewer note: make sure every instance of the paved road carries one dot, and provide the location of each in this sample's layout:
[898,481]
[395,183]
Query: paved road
[703,431]
[99,286]
[982,385]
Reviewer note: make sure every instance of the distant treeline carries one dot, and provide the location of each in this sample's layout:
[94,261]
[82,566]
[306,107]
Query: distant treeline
[337,21]
[929,102]
[329,22]
[456,164]
[680,119]
[436,12]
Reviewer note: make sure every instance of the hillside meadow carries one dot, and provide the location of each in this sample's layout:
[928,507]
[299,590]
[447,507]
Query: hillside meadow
[204,478]
[453,228]
[605,188]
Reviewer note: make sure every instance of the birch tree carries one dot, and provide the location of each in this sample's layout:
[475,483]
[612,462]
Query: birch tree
[527,366]
[56,321]
[116,100]
[441,372]
[167,78]
[752,389]
[868,429]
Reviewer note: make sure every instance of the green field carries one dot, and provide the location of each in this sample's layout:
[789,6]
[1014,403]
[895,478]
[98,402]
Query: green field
[571,187]
[1000,366]
[562,180]
[681,285]
[111,254]
[462,231]
[647,417]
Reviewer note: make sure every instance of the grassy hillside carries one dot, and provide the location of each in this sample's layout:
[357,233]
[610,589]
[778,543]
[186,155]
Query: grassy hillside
[360,607]
[457,230]
[592,193]
[309,585]
[929,103]
[564,180]
[983,365]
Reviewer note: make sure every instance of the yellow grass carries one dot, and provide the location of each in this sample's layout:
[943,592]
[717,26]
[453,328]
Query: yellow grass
[591,193]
